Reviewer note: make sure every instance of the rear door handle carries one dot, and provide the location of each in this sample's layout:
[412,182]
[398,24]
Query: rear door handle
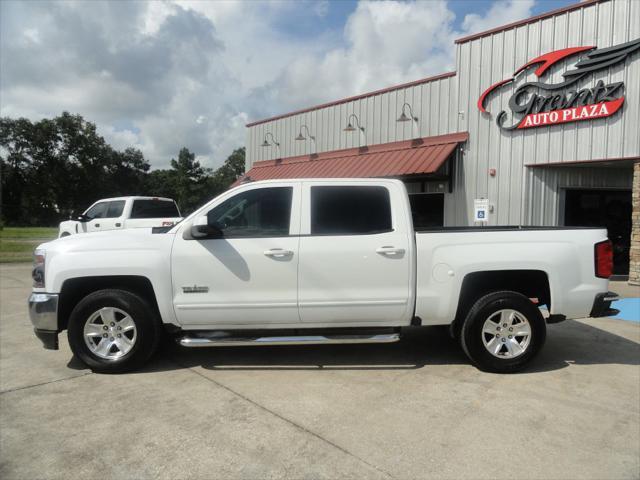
[389,250]
[97,225]
[278,253]
[118,224]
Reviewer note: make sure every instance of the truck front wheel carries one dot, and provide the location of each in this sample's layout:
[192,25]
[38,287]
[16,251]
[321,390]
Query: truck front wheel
[113,331]
[502,332]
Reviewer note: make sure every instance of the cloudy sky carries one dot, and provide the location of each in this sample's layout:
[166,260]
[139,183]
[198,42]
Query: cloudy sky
[165,74]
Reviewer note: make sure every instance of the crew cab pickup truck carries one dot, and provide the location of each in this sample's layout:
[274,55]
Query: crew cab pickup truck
[123,212]
[314,262]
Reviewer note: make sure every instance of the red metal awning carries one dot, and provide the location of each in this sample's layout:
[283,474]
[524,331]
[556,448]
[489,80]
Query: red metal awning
[411,157]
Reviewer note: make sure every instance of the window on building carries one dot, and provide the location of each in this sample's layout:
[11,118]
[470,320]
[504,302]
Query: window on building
[350,210]
[154,208]
[115,209]
[261,212]
[427,210]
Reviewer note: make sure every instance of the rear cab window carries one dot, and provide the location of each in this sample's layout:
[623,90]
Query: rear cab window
[154,208]
[350,210]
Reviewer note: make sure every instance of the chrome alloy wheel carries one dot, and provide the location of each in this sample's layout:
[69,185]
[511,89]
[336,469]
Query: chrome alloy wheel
[110,333]
[506,333]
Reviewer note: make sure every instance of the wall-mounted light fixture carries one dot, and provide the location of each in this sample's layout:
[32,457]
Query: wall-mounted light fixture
[266,142]
[407,118]
[302,137]
[350,127]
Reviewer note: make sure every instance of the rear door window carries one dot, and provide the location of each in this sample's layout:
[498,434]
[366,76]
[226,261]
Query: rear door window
[350,210]
[154,208]
[115,209]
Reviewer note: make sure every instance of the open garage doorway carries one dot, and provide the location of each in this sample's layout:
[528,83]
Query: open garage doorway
[610,209]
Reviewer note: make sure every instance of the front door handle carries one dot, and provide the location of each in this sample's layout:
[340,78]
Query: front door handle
[278,253]
[118,224]
[97,225]
[389,250]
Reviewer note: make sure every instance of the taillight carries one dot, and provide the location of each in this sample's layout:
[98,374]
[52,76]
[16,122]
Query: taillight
[604,259]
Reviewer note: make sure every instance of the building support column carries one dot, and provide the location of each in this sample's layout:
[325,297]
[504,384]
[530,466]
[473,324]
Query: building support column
[634,253]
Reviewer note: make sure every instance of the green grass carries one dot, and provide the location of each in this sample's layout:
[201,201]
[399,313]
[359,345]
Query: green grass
[17,244]
[30,233]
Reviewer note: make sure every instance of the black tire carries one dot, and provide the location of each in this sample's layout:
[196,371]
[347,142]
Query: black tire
[471,335]
[65,234]
[148,330]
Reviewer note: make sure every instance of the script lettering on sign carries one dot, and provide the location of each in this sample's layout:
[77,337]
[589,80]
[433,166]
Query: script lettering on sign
[538,103]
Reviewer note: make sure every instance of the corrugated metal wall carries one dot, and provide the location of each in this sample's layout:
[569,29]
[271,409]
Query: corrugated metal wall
[545,186]
[430,102]
[485,61]
[448,105]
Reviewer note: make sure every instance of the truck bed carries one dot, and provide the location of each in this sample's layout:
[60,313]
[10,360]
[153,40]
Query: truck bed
[563,255]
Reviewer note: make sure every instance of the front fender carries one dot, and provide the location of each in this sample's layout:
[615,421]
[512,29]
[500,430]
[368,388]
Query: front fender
[114,254]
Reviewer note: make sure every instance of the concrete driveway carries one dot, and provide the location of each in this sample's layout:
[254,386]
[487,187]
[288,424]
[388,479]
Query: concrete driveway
[415,409]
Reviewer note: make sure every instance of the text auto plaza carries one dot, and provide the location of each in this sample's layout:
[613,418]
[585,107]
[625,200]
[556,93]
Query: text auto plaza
[537,125]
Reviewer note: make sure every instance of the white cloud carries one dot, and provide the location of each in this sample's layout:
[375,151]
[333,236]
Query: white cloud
[385,43]
[500,13]
[192,73]
[32,34]
[321,8]
[119,139]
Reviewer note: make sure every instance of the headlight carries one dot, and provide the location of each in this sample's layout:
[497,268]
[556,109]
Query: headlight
[38,268]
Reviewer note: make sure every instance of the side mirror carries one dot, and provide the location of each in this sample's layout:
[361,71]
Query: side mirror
[202,229]
[83,218]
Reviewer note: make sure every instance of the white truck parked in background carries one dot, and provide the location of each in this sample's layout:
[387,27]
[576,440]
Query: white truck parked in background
[123,212]
[311,262]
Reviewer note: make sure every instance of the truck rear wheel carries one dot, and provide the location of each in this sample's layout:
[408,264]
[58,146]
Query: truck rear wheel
[503,332]
[113,331]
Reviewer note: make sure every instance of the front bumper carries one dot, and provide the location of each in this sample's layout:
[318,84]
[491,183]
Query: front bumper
[602,305]
[43,311]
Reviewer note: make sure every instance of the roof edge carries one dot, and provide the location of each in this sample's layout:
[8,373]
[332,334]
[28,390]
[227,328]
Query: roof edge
[355,97]
[457,137]
[509,26]
[574,163]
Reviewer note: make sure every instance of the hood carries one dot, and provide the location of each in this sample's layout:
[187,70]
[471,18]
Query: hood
[67,223]
[108,241]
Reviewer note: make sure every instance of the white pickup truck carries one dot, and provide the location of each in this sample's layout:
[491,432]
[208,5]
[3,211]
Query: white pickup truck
[123,212]
[314,262]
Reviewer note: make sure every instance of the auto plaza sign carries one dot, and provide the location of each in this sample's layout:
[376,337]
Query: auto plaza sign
[538,103]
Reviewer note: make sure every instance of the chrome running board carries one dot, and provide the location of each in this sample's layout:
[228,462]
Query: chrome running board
[216,339]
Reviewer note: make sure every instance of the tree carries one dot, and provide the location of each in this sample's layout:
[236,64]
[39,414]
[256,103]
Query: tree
[188,180]
[54,167]
[232,169]
[160,183]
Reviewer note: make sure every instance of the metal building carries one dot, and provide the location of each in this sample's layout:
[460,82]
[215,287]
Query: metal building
[538,125]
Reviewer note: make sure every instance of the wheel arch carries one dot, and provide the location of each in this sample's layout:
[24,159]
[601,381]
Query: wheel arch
[75,289]
[530,283]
